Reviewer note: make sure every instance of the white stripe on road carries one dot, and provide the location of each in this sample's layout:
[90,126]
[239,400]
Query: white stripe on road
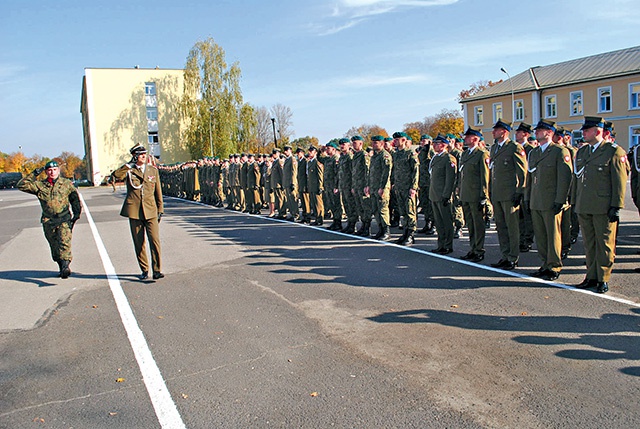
[165,407]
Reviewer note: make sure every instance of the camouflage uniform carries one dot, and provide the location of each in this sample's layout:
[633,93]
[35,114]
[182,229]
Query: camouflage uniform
[333,193]
[380,179]
[345,181]
[405,170]
[359,178]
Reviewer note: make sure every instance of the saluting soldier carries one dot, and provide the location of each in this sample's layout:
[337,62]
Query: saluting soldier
[315,186]
[332,187]
[523,132]
[405,186]
[443,170]
[379,187]
[546,194]
[473,189]
[424,157]
[508,172]
[345,182]
[359,179]
[599,190]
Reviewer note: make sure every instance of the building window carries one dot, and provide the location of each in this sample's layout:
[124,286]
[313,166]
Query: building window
[634,95]
[551,107]
[153,138]
[152,113]
[149,88]
[519,110]
[575,99]
[634,136]
[478,116]
[497,112]
[604,99]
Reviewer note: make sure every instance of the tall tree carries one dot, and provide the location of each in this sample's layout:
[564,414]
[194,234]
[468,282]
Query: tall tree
[212,98]
[366,131]
[305,142]
[264,129]
[247,128]
[282,115]
[475,88]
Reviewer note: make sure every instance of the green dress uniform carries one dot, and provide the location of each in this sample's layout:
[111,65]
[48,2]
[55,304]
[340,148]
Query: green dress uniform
[333,192]
[473,190]
[345,184]
[599,192]
[359,179]
[276,186]
[424,179]
[315,186]
[253,187]
[242,188]
[56,198]
[405,171]
[303,191]
[443,171]
[525,224]
[380,190]
[508,172]
[458,216]
[143,205]
[569,225]
[290,185]
[546,195]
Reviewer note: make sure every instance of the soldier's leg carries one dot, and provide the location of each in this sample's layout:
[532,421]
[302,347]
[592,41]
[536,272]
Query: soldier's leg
[153,233]
[553,225]
[63,241]
[540,234]
[412,217]
[589,240]
[138,235]
[605,242]
[565,228]
[50,234]
[575,225]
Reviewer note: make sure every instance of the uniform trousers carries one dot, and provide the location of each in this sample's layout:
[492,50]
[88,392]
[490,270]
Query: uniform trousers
[508,227]
[443,218]
[526,228]
[140,230]
[599,237]
[305,204]
[546,230]
[474,218]
[349,201]
[59,238]
[425,203]
[380,207]
[316,205]
[407,208]
[335,201]
[363,205]
[291,197]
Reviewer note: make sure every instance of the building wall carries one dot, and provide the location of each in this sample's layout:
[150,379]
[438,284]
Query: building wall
[114,111]
[625,120]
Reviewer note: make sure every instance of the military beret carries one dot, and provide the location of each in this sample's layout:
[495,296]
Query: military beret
[543,124]
[354,138]
[450,136]
[426,137]
[441,139]
[332,144]
[473,132]
[377,138]
[524,127]
[400,134]
[592,121]
[51,164]
[388,139]
[344,140]
[138,149]
[502,124]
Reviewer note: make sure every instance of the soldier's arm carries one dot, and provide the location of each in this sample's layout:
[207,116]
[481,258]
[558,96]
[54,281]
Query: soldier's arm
[29,183]
[415,167]
[484,177]
[563,175]
[74,201]
[121,172]
[158,196]
[618,178]
[520,163]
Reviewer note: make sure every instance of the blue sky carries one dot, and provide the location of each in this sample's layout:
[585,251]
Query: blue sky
[335,63]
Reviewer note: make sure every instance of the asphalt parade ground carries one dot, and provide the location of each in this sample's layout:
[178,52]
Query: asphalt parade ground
[265,323]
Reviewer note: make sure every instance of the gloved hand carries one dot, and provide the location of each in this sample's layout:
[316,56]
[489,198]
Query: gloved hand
[517,198]
[38,171]
[159,217]
[481,204]
[446,201]
[557,208]
[73,221]
[613,214]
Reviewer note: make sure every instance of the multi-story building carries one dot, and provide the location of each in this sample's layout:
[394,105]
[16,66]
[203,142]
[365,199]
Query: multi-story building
[606,85]
[124,107]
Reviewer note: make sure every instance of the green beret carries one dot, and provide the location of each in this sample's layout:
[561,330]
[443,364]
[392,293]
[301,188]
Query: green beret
[388,139]
[50,164]
[344,140]
[354,138]
[332,144]
[400,134]
[426,137]
[377,138]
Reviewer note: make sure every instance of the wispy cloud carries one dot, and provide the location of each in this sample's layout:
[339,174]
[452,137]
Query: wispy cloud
[357,11]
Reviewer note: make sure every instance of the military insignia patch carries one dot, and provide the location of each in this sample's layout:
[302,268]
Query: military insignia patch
[567,158]
[488,161]
[151,178]
[623,159]
[522,153]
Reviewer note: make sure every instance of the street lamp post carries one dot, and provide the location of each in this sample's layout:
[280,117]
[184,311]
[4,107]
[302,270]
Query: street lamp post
[275,139]
[211,110]
[513,102]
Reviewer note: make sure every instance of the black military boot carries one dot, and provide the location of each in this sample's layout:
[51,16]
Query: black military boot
[386,235]
[404,236]
[366,229]
[360,231]
[59,268]
[65,271]
[431,230]
[351,227]
[409,240]
[379,234]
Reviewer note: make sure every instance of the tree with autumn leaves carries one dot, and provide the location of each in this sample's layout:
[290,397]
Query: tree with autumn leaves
[71,166]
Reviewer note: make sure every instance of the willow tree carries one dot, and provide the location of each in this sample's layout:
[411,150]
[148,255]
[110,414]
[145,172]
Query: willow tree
[211,101]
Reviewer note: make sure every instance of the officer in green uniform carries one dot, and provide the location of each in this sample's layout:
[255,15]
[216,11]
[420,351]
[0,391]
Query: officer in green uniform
[359,179]
[315,186]
[276,183]
[379,187]
[405,186]
[473,189]
[599,191]
[569,218]
[345,182]
[303,191]
[290,183]
[455,149]
[331,185]
[253,185]
[546,196]
[443,170]
[424,157]
[56,195]
[523,132]
[508,171]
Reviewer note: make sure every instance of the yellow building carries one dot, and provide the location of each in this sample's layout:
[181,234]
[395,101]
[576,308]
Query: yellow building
[124,107]
[606,85]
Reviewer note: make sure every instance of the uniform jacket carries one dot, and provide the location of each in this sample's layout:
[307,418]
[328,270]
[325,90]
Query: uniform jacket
[508,170]
[443,170]
[55,199]
[345,180]
[315,176]
[473,175]
[302,174]
[144,193]
[600,179]
[242,175]
[331,172]
[405,170]
[276,174]
[549,177]
[424,156]
[380,171]
[290,173]
[360,170]
[253,175]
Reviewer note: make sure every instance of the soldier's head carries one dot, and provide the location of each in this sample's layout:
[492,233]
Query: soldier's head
[52,169]
[425,140]
[312,152]
[523,132]
[440,143]
[400,139]
[544,131]
[139,152]
[377,142]
[592,129]
[345,144]
[357,142]
[300,153]
[388,144]
[472,137]
[275,153]
[501,130]
[287,151]
[608,132]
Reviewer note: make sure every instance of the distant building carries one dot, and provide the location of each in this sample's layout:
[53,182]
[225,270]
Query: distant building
[124,107]
[606,85]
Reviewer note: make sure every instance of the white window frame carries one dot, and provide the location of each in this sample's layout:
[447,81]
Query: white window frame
[634,135]
[478,115]
[518,111]
[152,138]
[576,98]
[498,112]
[632,94]
[150,113]
[547,104]
[150,88]
[601,98]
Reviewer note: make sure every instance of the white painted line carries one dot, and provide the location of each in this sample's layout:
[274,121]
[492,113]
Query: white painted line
[435,255]
[165,407]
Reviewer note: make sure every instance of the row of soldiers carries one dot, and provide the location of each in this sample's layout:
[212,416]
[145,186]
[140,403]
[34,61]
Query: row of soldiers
[533,187]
